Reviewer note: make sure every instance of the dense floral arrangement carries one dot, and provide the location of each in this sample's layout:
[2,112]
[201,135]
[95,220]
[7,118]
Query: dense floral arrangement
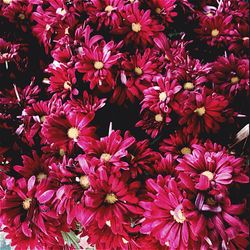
[118,120]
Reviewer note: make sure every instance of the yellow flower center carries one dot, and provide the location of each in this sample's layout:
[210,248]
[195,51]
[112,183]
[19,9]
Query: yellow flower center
[215,32]
[186,150]
[178,215]
[111,198]
[209,175]
[21,16]
[163,96]
[235,79]
[42,118]
[7,1]
[158,118]
[26,203]
[105,157]
[73,133]
[67,85]
[61,152]
[98,65]
[200,111]
[136,27]
[210,201]
[210,14]
[109,9]
[158,10]
[41,176]
[84,181]
[138,71]
[188,86]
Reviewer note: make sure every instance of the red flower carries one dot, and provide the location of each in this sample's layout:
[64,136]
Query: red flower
[66,130]
[203,112]
[165,218]
[138,26]
[179,143]
[230,74]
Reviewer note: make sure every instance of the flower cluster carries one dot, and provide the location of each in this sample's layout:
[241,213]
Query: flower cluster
[117,124]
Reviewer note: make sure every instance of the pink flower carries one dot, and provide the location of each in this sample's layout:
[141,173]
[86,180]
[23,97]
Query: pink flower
[66,130]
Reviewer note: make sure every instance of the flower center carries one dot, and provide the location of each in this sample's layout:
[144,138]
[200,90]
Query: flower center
[186,150]
[105,157]
[84,181]
[67,85]
[209,175]
[178,215]
[42,118]
[109,8]
[215,32]
[26,203]
[98,65]
[73,133]
[124,241]
[41,176]
[108,223]
[210,201]
[7,1]
[200,111]
[111,198]
[21,16]
[61,11]
[158,118]
[138,71]
[188,85]
[158,10]
[235,79]
[47,27]
[136,27]
[163,96]
[61,152]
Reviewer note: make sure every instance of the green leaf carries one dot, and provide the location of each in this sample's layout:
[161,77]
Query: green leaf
[71,239]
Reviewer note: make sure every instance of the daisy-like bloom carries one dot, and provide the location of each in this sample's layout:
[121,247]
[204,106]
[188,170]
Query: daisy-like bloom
[165,216]
[209,169]
[216,30]
[166,165]
[110,200]
[179,143]
[159,97]
[136,75]
[141,158]
[165,9]
[34,165]
[203,111]
[73,179]
[25,206]
[66,130]
[105,12]
[62,79]
[138,25]
[87,104]
[110,151]
[8,52]
[19,13]
[230,74]
[97,64]
[152,122]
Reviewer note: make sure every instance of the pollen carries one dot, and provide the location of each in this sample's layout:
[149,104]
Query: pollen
[67,85]
[73,133]
[163,96]
[158,118]
[188,86]
[41,176]
[235,79]
[138,71]
[21,16]
[136,27]
[26,203]
[215,32]
[61,152]
[111,198]
[186,150]
[109,9]
[105,157]
[98,65]
[42,118]
[178,215]
[200,111]
[158,10]
[84,181]
[209,175]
